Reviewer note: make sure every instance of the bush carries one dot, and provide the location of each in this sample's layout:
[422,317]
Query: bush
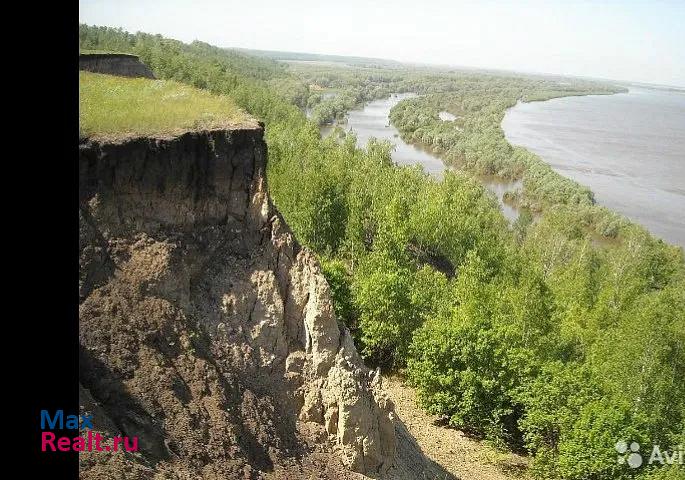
[340,282]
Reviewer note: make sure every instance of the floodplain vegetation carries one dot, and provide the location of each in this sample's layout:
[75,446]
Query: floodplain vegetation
[534,335]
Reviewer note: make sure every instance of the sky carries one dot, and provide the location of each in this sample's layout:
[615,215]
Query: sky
[641,41]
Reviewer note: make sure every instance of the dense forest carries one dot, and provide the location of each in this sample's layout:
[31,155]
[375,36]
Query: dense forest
[533,336]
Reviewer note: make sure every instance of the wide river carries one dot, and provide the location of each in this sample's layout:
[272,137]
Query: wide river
[629,149]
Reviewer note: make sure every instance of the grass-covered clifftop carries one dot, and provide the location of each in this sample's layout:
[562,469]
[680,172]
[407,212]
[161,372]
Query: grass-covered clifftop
[531,336]
[111,106]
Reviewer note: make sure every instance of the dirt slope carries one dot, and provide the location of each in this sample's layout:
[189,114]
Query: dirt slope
[208,332]
[462,456]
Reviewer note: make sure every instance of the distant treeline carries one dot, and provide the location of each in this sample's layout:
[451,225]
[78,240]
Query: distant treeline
[532,336]
[317,57]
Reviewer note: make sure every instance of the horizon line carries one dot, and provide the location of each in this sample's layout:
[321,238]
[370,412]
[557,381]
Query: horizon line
[465,67]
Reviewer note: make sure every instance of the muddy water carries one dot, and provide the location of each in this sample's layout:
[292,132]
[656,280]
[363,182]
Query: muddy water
[629,149]
[373,121]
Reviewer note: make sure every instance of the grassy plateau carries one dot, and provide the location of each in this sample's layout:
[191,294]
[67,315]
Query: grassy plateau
[111,106]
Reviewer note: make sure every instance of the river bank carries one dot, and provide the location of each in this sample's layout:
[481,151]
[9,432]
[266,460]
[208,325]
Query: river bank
[628,148]
[632,168]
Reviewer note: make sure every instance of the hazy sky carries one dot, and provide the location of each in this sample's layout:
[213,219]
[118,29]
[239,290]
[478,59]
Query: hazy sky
[623,40]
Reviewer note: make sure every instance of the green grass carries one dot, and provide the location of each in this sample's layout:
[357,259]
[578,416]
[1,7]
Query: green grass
[115,107]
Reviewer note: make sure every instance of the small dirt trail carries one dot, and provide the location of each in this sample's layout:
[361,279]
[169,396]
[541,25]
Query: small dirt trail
[462,456]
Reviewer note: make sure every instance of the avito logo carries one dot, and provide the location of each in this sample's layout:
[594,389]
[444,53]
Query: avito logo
[630,454]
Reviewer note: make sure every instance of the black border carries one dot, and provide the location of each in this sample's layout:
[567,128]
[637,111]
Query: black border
[43,285]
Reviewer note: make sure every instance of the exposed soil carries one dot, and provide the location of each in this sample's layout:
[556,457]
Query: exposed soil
[464,457]
[121,64]
[208,332]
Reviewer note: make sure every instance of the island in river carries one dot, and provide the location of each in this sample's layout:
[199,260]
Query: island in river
[628,148]
[372,121]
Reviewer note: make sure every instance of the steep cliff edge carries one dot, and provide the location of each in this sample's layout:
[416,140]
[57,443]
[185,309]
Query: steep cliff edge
[121,64]
[208,332]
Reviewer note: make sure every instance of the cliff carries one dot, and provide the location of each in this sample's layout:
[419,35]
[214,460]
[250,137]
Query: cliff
[207,331]
[121,64]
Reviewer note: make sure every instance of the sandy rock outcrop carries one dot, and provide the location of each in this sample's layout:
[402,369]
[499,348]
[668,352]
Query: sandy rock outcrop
[208,332]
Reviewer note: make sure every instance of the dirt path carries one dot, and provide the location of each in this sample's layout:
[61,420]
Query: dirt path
[464,457]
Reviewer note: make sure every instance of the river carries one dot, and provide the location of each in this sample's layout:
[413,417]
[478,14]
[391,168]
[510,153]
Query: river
[629,149]
[372,121]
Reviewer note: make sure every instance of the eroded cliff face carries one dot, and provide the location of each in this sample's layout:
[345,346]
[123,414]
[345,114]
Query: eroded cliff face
[121,64]
[208,332]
